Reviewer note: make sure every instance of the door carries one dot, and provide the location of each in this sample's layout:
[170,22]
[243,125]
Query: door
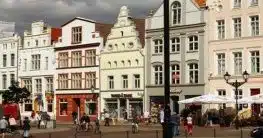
[175,104]
[76,106]
[255,107]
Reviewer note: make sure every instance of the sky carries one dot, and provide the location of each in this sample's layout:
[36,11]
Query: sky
[57,12]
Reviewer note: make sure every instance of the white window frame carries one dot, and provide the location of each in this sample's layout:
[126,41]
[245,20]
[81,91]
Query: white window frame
[111,82]
[175,44]
[76,59]
[90,78]
[63,101]
[237,3]
[28,84]
[237,24]
[4,83]
[158,46]
[238,63]
[254,3]
[193,73]
[38,85]
[76,35]
[76,80]
[254,24]
[90,57]
[176,13]
[63,81]
[220,29]
[12,60]
[46,63]
[255,62]
[193,41]
[175,70]
[125,81]
[222,92]
[221,63]
[35,61]
[137,81]
[29,102]
[49,84]
[63,60]
[158,74]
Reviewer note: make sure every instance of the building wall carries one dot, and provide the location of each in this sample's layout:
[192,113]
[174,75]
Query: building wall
[192,23]
[244,44]
[9,45]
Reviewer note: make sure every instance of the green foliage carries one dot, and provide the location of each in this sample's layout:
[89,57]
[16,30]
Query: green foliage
[15,94]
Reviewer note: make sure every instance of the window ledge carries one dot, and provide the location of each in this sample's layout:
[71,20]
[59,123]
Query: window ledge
[193,51]
[175,52]
[236,7]
[157,54]
[252,5]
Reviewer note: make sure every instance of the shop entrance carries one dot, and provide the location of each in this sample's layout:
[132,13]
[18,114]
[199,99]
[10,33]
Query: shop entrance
[76,106]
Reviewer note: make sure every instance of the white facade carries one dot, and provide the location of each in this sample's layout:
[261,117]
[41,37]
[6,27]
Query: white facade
[235,45]
[37,67]
[7,29]
[8,62]
[122,69]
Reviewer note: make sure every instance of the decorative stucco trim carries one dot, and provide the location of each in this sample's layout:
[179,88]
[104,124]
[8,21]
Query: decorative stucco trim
[192,61]
[157,63]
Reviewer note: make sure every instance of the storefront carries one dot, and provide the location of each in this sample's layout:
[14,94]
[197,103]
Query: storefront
[118,104]
[80,103]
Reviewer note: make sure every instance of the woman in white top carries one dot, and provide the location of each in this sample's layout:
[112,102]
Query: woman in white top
[12,122]
[189,124]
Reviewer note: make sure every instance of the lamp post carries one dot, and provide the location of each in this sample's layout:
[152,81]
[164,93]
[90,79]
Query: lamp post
[236,84]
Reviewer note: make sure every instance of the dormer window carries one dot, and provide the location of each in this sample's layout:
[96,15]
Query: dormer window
[176,13]
[76,35]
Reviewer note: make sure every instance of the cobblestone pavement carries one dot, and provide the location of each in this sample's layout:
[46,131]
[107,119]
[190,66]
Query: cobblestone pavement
[145,132]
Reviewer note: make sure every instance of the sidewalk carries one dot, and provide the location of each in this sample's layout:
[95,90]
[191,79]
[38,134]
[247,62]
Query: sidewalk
[48,130]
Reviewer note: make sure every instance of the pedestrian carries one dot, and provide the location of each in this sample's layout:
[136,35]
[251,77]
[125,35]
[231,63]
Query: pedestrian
[107,119]
[12,123]
[3,126]
[189,124]
[38,119]
[74,117]
[26,127]
[97,126]
[209,119]
[125,114]
[146,117]
[161,115]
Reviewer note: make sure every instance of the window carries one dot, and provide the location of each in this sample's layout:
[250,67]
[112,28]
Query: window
[25,64]
[49,83]
[63,60]
[12,59]
[44,42]
[46,63]
[254,2]
[239,95]
[109,64]
[237,3]
[158,74]
[76,59]
[175,45]
[122,33]
[237,27]
[13,45]
[137,62]
[111,82]
[38,85]
[123,64]
[193,43]
[90,57]
[175,74]
[76,80]
[76,35]
[254,25]
[28,84]
[63,107]
[176,13]
[220,29]
[90,107]
[12,78]
[238,63]
[221,63]
[4,60]
[90,79]
[63,81]
[35,62]
[28,43]
[222,93]
[4,46]
[4,81]
[193,73]
[125,81]
[36,43]
[137,81]
[28,106]
[255,62]
[115,64]
[158,46]
[49,105]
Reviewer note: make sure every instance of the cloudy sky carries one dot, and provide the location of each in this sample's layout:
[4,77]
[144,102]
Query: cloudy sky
[57,12]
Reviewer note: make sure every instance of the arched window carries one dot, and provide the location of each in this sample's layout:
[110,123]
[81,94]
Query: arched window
[122,33]
[129,63]
[193,72]
[175,44]
[137,62]
[158,74]
[115,64]
[175,74]
[123,64]
[193,43]
[176,13]
[123,45]
[116,46]
[109,64]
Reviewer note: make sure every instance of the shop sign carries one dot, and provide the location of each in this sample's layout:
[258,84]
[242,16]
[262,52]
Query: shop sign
[176,91]
[121,95]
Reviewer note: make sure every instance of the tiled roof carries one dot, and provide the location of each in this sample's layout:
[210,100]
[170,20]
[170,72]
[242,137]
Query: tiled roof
[201,3]
[103,29]
[55,34]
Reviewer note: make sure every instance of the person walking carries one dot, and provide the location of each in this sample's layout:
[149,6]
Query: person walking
[107,119]
[189,125]
[161,116]
[175,119]
[26,127]
[74,117]
[38,119]
[3,126]
[12,123]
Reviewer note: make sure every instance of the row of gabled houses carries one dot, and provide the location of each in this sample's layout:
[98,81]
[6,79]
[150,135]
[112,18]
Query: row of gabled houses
[89,67]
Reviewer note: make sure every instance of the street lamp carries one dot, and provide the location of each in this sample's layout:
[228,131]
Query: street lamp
[236,84]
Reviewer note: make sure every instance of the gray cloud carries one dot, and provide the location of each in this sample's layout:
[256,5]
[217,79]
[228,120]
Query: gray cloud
[57,12]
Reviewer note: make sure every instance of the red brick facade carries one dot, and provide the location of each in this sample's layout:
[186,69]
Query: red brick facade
[72,105]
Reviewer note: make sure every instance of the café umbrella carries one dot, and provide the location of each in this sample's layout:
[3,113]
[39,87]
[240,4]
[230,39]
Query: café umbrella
[254,99]
[207,99]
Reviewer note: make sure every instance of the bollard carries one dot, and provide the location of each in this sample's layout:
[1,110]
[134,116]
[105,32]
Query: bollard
[127,134]
[214,132]
[157,135]
[49,135]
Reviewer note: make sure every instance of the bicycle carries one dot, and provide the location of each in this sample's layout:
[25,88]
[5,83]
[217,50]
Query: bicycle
[82,127]
[13,133]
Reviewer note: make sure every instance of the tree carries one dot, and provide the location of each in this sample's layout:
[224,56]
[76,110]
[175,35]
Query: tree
[15,95]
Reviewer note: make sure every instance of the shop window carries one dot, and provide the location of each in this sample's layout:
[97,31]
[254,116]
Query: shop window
[63,107]
[28,106]
[90,108]
[50,105]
